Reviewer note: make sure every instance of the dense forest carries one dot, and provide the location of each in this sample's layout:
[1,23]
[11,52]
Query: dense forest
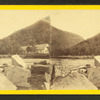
[90,46]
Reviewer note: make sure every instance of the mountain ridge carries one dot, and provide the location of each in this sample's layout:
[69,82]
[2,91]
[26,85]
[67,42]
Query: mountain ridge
[90,46]
[39,32]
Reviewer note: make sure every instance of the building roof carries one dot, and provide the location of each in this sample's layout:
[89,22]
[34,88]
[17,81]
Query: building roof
[41,46]
[38,47]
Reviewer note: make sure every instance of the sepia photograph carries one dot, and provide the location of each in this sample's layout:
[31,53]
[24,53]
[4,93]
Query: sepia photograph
[49,49]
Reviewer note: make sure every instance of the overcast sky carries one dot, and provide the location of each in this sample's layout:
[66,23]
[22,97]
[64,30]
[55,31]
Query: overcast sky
[85,23]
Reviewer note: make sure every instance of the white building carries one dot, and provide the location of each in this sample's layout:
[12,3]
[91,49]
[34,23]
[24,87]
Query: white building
[42,48]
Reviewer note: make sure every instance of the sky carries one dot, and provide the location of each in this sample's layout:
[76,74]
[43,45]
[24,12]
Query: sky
[85,23]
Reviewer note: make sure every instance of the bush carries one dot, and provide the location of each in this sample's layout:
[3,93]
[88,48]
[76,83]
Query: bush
[45,56]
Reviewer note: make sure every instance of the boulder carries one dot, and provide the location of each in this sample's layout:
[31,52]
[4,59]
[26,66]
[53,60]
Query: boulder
[18,61]
[37,81]
[46,86]
[60,69]
[18,76]
[97,61]
[1,70]
[82,71]
[5,84]
[40,77]
[44,62]
[47,77]
[94,76]
[72,81]
[39,69]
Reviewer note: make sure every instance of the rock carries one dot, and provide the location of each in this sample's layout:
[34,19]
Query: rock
[97,61]
[60,69]
[74,70]
[88,66]
[5,65]
[1,70]
[83,69]
[73,81]
[40,77]
[44,62]
[94,76]
[37,81]
[18,76]
[18,61]
[39,69]
[47,77]
[5,84]
[47,86]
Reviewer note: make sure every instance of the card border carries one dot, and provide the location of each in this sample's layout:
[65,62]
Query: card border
[50,7]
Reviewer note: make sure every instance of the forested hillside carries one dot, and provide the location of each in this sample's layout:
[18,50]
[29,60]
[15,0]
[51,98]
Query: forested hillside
[90,46]
[39,33]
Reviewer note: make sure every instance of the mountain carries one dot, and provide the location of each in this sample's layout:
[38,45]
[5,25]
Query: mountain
[39,33]
[61,40]
[90,46]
